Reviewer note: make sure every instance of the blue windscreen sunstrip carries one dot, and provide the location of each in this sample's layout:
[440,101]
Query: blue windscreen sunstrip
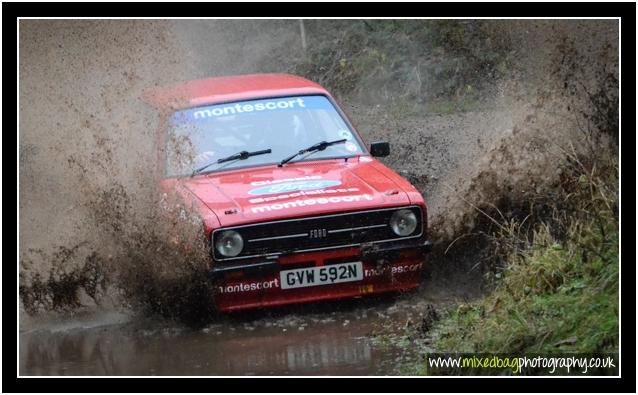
[251,106]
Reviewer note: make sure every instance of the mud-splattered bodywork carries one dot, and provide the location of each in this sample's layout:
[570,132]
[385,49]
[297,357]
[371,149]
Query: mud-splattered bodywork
[298,218]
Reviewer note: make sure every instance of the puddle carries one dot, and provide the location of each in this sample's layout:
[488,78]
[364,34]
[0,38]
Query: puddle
[315,340]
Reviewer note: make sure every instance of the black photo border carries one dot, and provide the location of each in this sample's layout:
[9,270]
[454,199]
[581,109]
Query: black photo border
[627,13]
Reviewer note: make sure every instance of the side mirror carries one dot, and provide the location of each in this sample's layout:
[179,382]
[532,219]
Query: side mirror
[380,148]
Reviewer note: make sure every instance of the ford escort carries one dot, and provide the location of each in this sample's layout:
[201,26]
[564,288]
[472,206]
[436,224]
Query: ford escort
[293,205]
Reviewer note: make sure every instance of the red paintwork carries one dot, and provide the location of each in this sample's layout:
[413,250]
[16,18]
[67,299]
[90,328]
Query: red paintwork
[228,89]
[222,198]
[374,284]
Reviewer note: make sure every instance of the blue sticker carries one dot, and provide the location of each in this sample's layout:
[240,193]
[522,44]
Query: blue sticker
[294,186]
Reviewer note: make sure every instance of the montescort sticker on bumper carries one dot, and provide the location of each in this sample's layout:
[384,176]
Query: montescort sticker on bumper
[248,287]
[294,186]
[311,202]
[394,269]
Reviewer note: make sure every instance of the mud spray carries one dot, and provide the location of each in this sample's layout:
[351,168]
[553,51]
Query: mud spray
[90,233]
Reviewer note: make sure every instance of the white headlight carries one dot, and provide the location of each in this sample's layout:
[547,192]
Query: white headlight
[229,243]
[403,222]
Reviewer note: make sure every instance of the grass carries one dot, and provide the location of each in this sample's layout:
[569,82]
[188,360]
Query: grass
[555,286]
[558,291]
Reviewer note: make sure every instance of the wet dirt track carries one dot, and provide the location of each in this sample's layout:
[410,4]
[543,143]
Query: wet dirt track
[327,346]
[316,339]
[325,339]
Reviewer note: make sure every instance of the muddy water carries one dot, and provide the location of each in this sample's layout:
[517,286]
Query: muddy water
[343,338]
[330,339]
[306,344]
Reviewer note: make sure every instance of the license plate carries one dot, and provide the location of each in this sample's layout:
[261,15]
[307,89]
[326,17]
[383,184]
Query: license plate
[312,276]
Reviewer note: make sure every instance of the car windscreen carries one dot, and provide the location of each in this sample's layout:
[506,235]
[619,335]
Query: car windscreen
[202,135]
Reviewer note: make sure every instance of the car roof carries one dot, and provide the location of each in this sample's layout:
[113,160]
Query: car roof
[228,89]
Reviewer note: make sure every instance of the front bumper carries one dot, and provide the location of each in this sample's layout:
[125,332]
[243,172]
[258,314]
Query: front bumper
[373,252]
[391,268]
[378,251]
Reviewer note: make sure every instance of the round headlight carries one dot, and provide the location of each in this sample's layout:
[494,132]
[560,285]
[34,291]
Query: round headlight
[229,243]
[403,222]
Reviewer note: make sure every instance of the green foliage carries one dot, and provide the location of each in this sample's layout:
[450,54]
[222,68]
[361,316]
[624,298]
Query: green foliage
[555,294]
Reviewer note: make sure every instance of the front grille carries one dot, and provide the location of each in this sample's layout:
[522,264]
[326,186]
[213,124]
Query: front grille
[316,233]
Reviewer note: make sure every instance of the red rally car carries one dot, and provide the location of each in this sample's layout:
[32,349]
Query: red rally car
[294,205]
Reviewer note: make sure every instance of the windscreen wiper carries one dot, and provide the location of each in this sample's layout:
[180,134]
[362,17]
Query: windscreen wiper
[320,146]
[238,156]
